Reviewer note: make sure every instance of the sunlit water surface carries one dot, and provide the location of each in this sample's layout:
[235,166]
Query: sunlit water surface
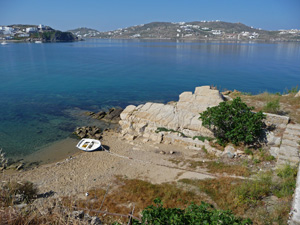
[45,87]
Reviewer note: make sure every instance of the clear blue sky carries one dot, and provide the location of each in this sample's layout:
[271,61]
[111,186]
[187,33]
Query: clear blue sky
[112,14]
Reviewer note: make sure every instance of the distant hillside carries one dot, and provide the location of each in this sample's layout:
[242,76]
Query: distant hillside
[84,32]
[204,30]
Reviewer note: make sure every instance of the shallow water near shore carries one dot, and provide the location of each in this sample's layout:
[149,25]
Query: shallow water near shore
[46,87]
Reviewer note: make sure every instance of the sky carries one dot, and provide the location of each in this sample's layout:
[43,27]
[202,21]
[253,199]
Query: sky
[113,14]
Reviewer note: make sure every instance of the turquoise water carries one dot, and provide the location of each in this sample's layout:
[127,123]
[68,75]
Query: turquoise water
[44,87]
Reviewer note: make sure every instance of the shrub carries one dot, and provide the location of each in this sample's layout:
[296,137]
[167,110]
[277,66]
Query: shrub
[233,122]
[193,214]
[272,106]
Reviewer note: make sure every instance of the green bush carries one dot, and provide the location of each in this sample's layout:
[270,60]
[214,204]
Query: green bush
[272,106]
[233,122]
[202,138]
[193,214]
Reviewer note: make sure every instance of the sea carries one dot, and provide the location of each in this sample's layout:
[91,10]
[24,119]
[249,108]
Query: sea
[45,88]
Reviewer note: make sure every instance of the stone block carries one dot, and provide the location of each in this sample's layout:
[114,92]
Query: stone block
[290,143]
[294,126]
[274,151]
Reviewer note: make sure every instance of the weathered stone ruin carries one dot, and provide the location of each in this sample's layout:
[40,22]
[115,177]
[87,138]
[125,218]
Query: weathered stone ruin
[182,120]
[183,116]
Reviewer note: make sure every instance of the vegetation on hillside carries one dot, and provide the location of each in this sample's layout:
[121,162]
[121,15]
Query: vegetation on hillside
[55,36]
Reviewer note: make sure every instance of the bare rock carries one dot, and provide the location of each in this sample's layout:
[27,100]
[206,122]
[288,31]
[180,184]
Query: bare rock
[298,94]
[229,152]
[78,214]
[273,140]
[274,151]
[88,132]
[113,115]
[226,92]
[240,152]
[229,148]
[182,117]
[99,115]
[95,221]
[276,120]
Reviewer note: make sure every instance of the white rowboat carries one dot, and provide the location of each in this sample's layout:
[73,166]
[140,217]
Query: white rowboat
[88,145]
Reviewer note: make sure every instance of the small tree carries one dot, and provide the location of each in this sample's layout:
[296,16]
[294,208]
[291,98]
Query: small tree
[233,122]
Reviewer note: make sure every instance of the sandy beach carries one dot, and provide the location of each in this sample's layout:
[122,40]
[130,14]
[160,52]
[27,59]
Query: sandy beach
[80,171]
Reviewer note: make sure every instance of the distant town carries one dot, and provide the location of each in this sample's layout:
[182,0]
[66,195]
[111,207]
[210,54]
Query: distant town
[198,30]
[201,30]
[21,31]
[34,33]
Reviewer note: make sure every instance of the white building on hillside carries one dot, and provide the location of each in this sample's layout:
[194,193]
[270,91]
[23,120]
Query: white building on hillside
[216,32]
[41,27]
[31,29]
[7,30]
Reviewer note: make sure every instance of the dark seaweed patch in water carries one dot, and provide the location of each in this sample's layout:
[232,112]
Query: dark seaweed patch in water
[66,126]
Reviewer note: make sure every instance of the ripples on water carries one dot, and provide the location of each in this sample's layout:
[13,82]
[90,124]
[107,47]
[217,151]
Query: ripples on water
[43,85]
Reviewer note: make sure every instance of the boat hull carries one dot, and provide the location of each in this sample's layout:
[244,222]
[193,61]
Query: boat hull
[88,145]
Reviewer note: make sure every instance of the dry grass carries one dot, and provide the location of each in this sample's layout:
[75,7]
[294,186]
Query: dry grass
[221,167]
[137,193]
[214,167]
[14,216]
[289,105]
[220,190]
[8,192]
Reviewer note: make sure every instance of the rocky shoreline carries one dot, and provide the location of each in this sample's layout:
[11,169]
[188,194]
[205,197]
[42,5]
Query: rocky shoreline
[157,143]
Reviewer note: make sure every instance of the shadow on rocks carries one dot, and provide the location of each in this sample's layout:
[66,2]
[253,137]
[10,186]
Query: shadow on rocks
[46,194]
